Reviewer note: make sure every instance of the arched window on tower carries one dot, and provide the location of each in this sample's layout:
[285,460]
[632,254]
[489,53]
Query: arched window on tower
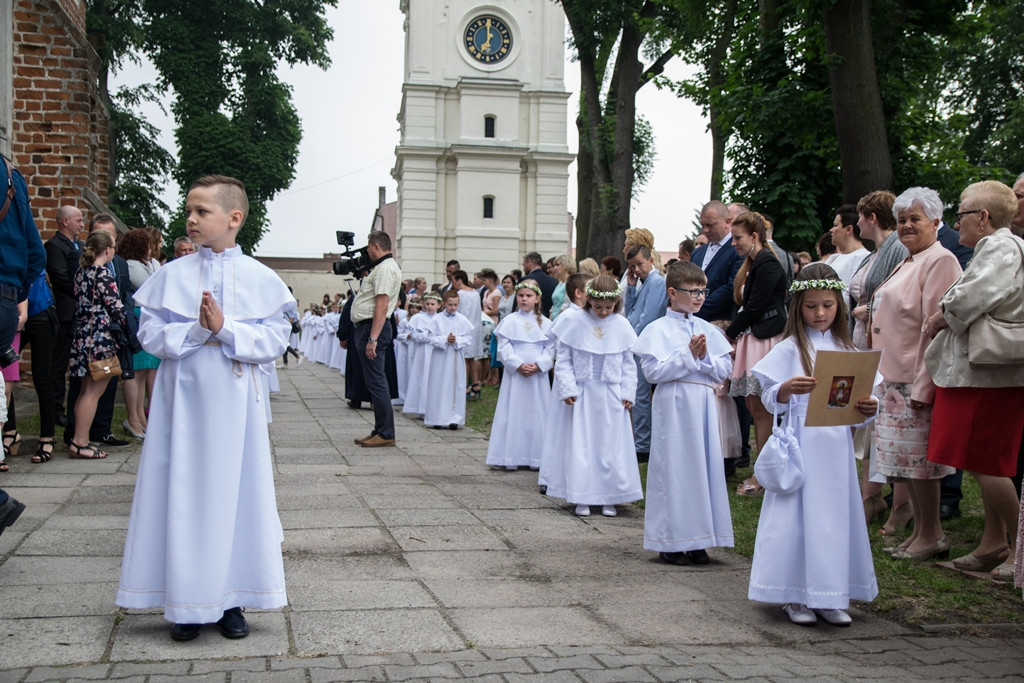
[489,126]
[488,207]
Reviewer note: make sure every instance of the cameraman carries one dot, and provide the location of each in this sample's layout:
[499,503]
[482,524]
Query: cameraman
[371,314]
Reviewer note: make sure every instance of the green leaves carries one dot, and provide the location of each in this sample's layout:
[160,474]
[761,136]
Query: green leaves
[218,61]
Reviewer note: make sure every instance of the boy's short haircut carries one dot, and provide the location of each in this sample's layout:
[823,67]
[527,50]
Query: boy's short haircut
[577,282]
[381,239]
[489,274]
[638,250]
[684,273]
[461,276]
[449,294]
[229,193]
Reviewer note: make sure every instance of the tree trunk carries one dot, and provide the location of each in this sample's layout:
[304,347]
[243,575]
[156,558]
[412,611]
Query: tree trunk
[584,189]
[716,82]
[857,100]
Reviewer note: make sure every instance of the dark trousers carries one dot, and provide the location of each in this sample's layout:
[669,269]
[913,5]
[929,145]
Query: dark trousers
[40,333]
[59,365]
[376,378]
[104,409]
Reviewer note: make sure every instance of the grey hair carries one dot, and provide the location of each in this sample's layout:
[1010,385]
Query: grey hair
[924,197]
[181,240]
[1019,178]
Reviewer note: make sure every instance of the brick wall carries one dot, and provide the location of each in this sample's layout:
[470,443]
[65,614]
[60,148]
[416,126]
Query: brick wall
[60,128]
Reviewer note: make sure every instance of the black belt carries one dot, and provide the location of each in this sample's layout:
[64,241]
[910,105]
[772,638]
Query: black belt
[363,322]
[9,292]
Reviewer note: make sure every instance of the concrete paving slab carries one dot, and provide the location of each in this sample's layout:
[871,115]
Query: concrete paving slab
[55,570]
[373,632]
[462,565]
[97,509]
[422,500]
[86,522]
[338,541]
[530,626]
[25,601]
[427,517]
[37,495]
[327,518]
[146,637]
[73,543]
[330,594]
[497,593]
[310,569]
[420,538]
[23,476]
[56,641]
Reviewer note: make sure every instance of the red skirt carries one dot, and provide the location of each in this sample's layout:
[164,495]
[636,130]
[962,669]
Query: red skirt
[977,429]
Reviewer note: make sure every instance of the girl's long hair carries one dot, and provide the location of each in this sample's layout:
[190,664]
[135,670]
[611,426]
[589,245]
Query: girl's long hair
[95,244]
[795,324]
[753,224]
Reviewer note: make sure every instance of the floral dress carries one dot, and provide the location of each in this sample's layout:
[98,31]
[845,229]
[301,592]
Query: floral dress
[98,305]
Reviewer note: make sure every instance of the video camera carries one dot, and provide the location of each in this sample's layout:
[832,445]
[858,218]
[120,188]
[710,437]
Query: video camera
[352,261]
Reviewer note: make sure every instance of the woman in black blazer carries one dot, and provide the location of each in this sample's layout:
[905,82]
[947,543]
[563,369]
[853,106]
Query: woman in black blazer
[760,291]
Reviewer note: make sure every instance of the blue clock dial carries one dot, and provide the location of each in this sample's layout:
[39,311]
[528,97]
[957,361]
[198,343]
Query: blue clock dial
[488,39]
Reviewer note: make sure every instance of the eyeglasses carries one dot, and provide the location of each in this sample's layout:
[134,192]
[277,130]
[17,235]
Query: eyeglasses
[695,292]
[960,216]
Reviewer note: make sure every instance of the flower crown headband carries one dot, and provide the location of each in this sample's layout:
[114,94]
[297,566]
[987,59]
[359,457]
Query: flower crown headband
[804,285]
[431,295]
[528,285]
[614,294]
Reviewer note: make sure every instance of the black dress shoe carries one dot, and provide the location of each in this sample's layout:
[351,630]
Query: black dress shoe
[232,624]
[743,461]
[698,556]
[9,513]
[675,558]
[355,405]
[185,631]
[948,512]
[111,441]
[61,419]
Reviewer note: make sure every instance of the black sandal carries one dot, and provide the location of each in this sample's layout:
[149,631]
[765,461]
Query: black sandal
[42,454]
[95,454]
[12,443]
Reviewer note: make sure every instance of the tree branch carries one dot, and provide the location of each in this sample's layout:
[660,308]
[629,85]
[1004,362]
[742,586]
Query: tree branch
[656,68]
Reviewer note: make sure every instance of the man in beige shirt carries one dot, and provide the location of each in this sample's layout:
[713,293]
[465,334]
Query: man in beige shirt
[370,315]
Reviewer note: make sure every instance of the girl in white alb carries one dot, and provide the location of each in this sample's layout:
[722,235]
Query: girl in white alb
[595,373]
[419,355]
[812,553]
[527,354]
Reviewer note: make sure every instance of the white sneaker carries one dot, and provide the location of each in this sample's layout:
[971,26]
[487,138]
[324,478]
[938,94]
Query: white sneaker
[609,510]
[836,617]
[800,614]
[583,510]
[299,361]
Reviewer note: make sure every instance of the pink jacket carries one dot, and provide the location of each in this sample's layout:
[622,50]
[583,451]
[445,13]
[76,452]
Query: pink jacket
[901,305]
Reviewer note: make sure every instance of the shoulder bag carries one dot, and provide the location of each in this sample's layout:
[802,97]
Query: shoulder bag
[103,368]
[994,341]
[780,464]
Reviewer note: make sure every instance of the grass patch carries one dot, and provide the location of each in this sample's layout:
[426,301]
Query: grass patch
[912,593]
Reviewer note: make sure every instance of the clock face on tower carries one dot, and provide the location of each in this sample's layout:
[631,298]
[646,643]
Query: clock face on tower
[488,39]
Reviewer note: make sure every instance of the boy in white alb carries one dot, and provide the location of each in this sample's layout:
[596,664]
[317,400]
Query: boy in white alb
[450,334]
[687,507]
[204,537]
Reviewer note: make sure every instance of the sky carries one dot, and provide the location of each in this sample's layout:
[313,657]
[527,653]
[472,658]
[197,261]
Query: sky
[350,131]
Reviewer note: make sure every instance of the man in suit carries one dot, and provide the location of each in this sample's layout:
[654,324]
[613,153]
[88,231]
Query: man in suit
[643,306]
[449,270]
[718,260]
[532,267]
[100,430]
[62,253]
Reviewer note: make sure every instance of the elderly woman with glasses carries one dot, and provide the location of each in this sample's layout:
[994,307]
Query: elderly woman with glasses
[978,414]
[899,309]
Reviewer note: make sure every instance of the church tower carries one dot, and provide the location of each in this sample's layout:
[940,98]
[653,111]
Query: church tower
[482,162]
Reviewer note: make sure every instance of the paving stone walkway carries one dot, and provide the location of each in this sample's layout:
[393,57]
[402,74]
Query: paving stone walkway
[419,563]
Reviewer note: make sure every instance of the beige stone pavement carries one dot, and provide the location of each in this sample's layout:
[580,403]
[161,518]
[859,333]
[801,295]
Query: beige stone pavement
[420,563]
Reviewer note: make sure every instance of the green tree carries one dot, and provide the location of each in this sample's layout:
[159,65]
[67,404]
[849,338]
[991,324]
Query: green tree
[217,61]
[616,146]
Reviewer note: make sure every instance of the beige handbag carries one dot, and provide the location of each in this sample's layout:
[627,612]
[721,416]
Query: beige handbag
[994,341]
[104,368]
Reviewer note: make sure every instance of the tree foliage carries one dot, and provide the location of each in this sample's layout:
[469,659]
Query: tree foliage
[616,145]
[217,62]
